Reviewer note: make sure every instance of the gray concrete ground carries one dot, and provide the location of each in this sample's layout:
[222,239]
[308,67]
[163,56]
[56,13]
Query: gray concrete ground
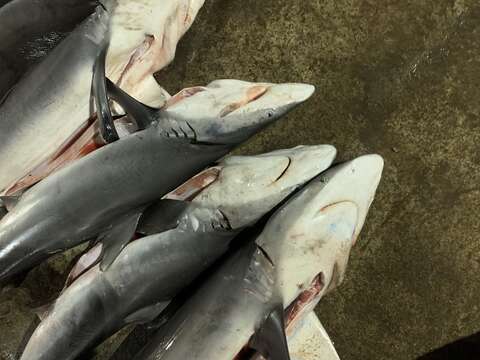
[398,78]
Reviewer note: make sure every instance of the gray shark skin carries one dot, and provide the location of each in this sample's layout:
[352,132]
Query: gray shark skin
[81,200]
[34,116]
[31,29]
[308,238]
[152,270]
[135,288]
[244,287]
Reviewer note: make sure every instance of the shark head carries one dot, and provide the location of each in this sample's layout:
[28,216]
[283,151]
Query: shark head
[309,238]
[231,111]
[247,187]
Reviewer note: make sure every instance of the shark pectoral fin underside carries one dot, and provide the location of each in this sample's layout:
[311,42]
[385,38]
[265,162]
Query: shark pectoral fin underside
[146,314]
[310,341]
[162,216]
[142,114]
[270,339]
[117,238]
[8,203]
[85,262]
[99,86]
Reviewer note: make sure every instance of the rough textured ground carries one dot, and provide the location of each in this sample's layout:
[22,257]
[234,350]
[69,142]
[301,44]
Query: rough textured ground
[399,78]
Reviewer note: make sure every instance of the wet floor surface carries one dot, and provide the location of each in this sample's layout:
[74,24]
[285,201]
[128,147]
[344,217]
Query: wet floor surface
[398,78]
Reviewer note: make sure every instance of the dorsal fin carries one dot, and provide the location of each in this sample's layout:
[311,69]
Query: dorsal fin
[270,340]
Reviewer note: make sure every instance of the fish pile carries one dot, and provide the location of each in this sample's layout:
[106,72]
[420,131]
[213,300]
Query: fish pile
[225,257]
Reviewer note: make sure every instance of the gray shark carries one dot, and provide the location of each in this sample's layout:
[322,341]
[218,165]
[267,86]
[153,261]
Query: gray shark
[152,270]
[307,241]
[107,190]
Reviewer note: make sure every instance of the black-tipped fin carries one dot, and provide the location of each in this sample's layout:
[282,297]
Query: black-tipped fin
[117,237]
[146,314]
[142,114]
[162,216]
[8,203]
[270,339]
[99,86]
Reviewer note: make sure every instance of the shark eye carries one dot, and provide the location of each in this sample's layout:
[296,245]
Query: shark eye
[270,113]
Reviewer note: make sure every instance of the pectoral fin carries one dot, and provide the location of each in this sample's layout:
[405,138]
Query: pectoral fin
[8,203]
[117,237]
[161,216]
[104,114]
[142,114]
[310,341]
[270,339]
[146,314]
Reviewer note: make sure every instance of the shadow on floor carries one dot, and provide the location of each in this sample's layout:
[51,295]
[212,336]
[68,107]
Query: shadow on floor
[462,349]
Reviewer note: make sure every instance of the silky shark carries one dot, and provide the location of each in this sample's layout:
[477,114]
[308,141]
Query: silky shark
[219,103]
[51,105]
[305,243]
[107,190]
[152,270]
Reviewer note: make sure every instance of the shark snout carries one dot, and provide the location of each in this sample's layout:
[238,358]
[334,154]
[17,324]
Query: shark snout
[369,169]
[293,94]
[231,111]
[305,162]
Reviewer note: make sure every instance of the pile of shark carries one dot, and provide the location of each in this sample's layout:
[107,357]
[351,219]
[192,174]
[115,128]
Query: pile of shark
[224,257]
